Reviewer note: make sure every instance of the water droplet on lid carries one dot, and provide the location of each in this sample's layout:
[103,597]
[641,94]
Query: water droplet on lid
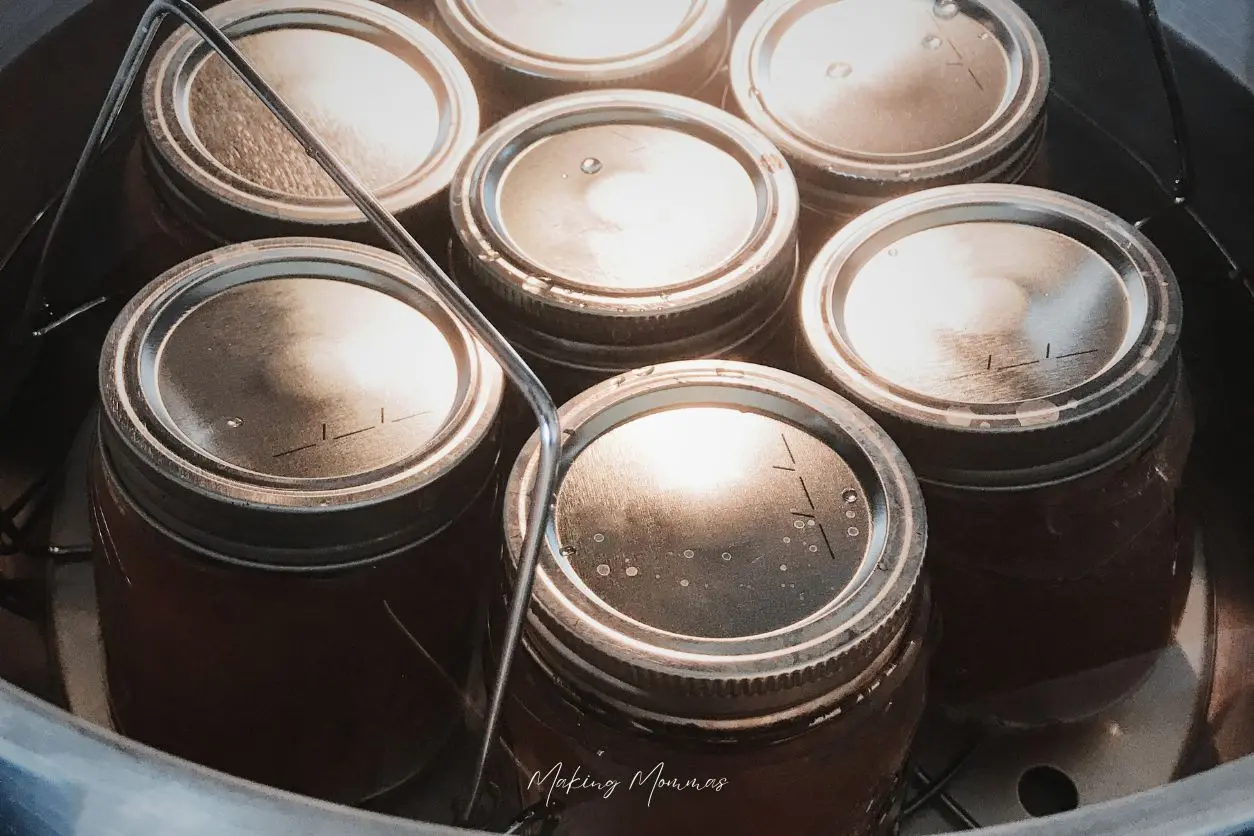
[904,175]
[787,539]
[853,532]
[590,165]
[811,523]
[234,423]
[838,69]
[932,42]
[892,251]
[851,514]
[657,577]
[684,582]
[632,571]
[604,570]
[727,555]
[689,553]
[783,567]
[600,538]
[799,524]
[945,9]
[850,496]
[814,548]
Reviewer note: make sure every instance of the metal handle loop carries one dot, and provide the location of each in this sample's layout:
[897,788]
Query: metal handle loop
[403,243]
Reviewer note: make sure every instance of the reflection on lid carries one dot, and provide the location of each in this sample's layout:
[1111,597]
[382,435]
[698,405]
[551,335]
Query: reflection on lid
[884,77]
[712,522]
[584,30]
[987,313]
[627,206]
[378,113]
[307,378]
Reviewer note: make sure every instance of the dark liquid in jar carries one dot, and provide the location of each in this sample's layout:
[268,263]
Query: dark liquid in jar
[339,685]
[1057,601]
[839,774]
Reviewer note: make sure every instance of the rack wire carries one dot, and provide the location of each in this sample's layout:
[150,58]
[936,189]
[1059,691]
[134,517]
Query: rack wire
[930,791]
[519,373]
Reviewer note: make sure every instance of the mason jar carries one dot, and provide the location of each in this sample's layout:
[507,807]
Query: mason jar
[523,53]
[729,624]
[290,489]
[1022,348]
[604,231]
[872,99]
[213,165]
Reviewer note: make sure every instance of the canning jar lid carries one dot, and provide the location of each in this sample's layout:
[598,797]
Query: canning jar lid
[873,98]
[730,543]
[626,218]
[297,404]
[541,48]
[1006,336]
[383,92]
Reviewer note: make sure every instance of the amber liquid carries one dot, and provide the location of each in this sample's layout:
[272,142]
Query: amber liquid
[839,777]
[334,685]
[1057,602]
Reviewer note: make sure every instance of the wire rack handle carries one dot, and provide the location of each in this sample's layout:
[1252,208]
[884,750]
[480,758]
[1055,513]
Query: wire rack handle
[403,243]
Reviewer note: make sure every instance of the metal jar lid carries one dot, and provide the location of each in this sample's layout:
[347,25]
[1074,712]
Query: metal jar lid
[1006,336]
[730,545]
[388,97]
[875,98]
[524,52]
[604,221]
[297,404]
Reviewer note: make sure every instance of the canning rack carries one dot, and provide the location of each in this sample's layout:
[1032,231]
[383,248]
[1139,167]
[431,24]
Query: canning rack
[931,788]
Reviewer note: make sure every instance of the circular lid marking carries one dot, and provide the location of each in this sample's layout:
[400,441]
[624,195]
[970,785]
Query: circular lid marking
[729,541]
[917,81]
[1004,334]
[987,313]
[584,30]
[384,93]
[379,115]
[869,96]
[628,207]
[297,403]
[306,378]
[718,497]
[659,217]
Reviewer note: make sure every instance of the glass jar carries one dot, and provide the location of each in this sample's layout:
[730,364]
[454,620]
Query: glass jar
[1022,347]
[606,231]
[291,479]
[729,619]
[872,99]
[523,53]
[213,165]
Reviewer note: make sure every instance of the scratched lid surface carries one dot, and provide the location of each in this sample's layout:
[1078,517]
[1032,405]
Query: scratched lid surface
[721,523]
[997,329]
[294,385]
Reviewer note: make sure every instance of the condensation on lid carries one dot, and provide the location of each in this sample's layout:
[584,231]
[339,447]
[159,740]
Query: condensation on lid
[728,538]
[627,207]
[988,313]
[584,30]
[306,378]
[712,522]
